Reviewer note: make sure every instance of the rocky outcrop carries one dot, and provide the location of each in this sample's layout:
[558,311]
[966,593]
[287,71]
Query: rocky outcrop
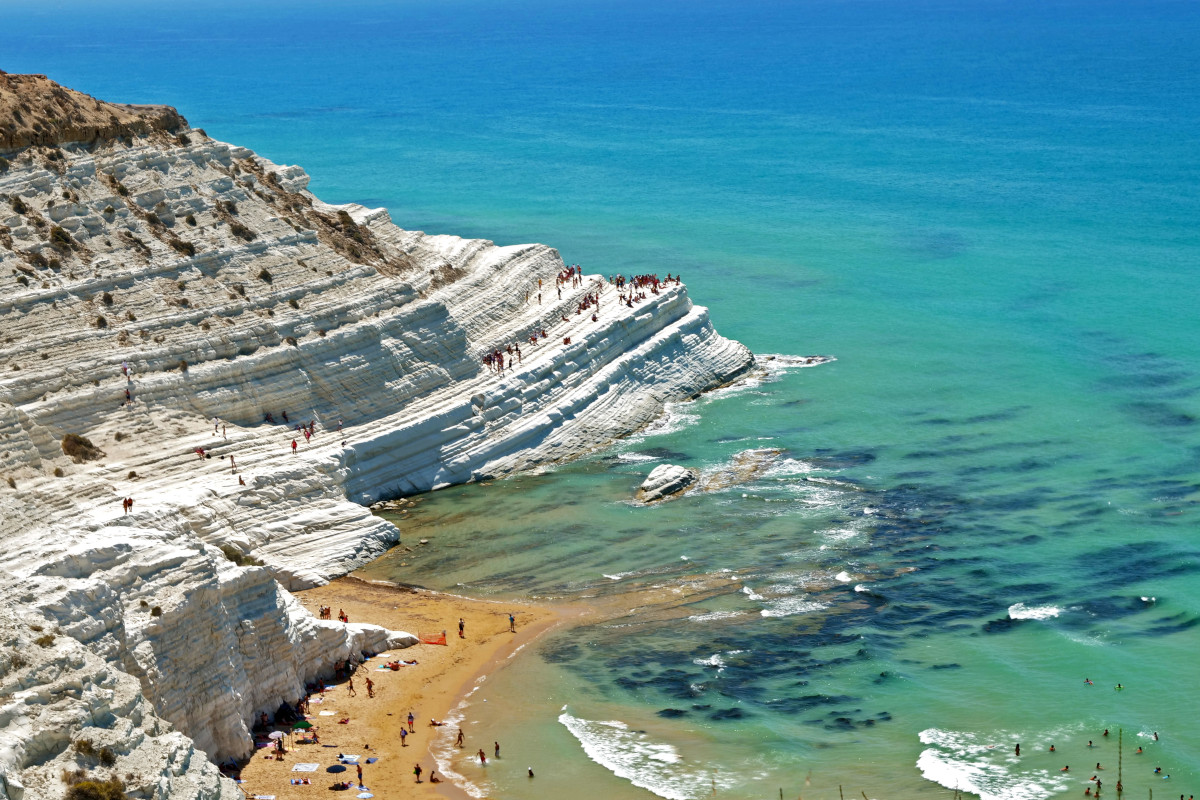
[664,481]
[152,283]
[35,110]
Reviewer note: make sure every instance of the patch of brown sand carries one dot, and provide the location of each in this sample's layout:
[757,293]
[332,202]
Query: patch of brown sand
[431,689]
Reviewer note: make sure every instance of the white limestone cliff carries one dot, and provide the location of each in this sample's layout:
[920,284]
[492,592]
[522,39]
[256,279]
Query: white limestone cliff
[231,292]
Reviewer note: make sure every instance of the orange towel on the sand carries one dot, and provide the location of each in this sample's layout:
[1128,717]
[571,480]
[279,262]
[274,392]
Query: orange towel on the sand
[343,721]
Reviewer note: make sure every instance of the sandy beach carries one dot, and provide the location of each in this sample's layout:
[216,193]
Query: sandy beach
[430,690]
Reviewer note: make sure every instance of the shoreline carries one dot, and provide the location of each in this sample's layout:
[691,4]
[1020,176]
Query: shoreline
[435,688]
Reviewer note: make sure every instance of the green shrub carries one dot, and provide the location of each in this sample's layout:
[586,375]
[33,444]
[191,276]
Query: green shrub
[58,472]
[3,164]
[264,275]
[101,322]
[190,219]
[109,210]
[156,611]
[45,640]
[122,189]
[294,303]
[12,482]
[106,298]
[18,205]
[183,248]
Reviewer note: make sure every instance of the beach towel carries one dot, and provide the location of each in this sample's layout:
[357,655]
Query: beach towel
[329,687]
[372,760]
[326,713]
[306,767]
[345,759]
[264,797]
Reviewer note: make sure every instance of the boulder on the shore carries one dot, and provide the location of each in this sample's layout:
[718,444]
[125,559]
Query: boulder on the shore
[664,481]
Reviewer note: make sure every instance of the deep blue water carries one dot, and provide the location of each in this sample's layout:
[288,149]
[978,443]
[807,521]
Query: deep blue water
[987,211]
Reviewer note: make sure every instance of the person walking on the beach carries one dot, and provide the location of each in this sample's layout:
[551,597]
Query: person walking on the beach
[417,772]
[350,687]
[370,687]
[359,768]
[403,737]
[460,738]
[461,627]
[512,623]
[497,751]
[411,719]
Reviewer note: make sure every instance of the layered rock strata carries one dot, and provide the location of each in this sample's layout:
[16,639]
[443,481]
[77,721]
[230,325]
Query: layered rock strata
[665,481]
[153,279]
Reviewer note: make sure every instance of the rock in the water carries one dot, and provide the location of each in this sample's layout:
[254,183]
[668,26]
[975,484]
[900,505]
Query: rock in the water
[665,480]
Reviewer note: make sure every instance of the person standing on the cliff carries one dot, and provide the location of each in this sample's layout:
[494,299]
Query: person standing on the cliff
[294,446]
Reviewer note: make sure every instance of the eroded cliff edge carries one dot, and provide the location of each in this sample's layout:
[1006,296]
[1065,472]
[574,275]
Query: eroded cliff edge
[208,282]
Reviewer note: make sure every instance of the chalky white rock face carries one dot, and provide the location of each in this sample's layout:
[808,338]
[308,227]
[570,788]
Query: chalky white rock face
[231,292]
[664,481]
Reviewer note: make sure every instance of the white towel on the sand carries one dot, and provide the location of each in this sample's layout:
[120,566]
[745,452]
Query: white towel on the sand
[349,759]
[264,797]
[325,713]
[306,767]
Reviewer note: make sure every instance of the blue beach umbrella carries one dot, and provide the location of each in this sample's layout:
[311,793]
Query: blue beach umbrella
[336,768]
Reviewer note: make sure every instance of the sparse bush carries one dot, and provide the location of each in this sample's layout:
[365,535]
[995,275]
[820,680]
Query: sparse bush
[60,239]
[36,628]
[290,340]
[18,205]
[183,365]
[183,248]
[12,482]
[228,206]
[132,476]
[111,789]
[183,139]
[101,322]
[119,435]
[16,367]
[108,756]
[54,264]
[321,332]
[16,661]
[181,285]
[21,279]
[238,557]
[86,748]
[58,472]
[264,275]
[80,449]
[106,298]
[240,288]
[122,189]
[143,604]
[156,611]
[190,219]
[242,232]
[129,316]
[3,164]
[38,260]
[45,640]
[109,210]
[294,303]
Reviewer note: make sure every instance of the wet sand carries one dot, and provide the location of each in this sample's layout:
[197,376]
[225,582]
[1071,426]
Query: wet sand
[430,689]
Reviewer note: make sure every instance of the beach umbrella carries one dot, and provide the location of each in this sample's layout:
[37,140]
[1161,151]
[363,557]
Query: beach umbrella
[302,725]
[336,768]
[275,735]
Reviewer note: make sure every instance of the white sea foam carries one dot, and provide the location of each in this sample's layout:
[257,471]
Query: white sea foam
[1022,611]
[713,616]
[843,577]
[791,606]
[980,764]
[638,457]
[753,595]
[862,588]
[654,766]
[675,417]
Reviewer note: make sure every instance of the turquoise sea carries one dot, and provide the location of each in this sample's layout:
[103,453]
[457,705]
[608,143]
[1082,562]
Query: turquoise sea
[988,212]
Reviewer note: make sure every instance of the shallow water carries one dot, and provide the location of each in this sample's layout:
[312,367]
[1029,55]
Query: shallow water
[985,211]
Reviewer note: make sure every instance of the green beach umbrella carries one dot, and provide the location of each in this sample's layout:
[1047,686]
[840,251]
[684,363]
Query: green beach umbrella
[302,725]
